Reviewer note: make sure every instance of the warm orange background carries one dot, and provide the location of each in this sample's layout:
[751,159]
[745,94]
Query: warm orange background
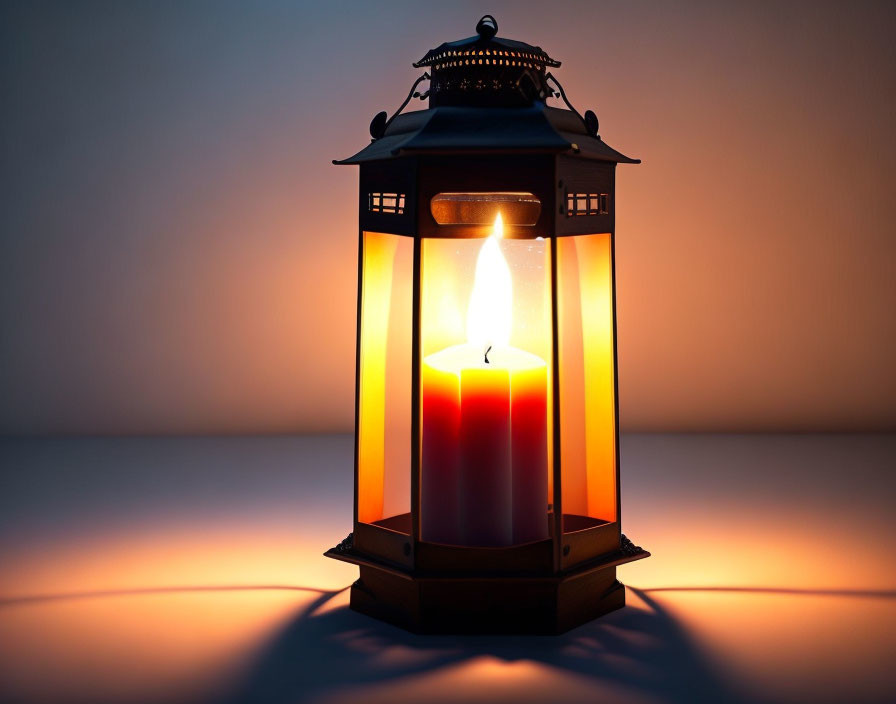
[178,255]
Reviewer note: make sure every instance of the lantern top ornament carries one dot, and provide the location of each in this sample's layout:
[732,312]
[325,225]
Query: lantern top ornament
[472,83]
[486,41]
[487,70]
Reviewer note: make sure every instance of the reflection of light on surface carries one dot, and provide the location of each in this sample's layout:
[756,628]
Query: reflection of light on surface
[94,513]
[766,511]
[487,678]
[703,525]
[171,646]
[164,557]
[723,549]
[801,647]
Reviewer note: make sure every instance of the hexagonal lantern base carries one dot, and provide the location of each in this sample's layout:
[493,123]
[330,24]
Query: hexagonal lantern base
[544,605]
[532,605]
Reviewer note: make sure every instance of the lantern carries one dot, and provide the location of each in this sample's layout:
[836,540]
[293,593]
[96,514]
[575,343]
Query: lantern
[487,434]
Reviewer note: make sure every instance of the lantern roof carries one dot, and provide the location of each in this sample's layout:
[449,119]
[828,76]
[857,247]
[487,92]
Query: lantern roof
[451,129]
[487,95]
[485,45]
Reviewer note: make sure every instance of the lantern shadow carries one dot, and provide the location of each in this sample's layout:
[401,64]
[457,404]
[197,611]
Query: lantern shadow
[641,650]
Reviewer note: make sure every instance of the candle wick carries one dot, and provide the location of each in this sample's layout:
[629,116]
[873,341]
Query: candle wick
[486,354]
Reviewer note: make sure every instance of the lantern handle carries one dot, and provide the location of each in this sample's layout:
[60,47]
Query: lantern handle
[379,124]
[590,119]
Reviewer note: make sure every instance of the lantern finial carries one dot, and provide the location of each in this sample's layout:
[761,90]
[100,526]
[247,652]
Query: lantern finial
[487,27]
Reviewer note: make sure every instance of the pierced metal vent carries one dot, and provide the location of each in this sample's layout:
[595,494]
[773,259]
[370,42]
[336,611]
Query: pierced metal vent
[391,203]
[587,204]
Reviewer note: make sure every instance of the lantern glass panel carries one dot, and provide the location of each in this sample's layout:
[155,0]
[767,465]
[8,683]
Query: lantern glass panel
[587,387]
[384,399]
[485,425]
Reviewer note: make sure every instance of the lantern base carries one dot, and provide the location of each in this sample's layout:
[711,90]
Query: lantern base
[530,605]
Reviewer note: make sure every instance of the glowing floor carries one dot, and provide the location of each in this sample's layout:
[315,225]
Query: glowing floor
[190,570]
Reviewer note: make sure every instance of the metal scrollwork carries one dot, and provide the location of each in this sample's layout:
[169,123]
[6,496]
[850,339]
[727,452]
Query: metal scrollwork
[346,545]
[628,548]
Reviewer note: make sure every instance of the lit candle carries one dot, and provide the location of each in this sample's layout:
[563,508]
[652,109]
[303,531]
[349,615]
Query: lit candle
[484,449]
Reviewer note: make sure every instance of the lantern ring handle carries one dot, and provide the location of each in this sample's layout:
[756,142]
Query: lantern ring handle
[550,77]
[379,124]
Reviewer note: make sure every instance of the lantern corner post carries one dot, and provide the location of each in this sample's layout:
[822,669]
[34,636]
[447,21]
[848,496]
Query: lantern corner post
[556,465]
[416,400]
[357,445]
[615,332]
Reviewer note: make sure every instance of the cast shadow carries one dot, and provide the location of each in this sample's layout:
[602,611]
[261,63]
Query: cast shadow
[641,649]
[326,648]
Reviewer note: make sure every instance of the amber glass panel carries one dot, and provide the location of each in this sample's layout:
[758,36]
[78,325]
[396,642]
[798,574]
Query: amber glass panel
[485,460]
[384,425]
[587,386]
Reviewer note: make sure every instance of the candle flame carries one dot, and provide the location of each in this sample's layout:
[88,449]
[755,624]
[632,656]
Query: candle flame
[489,316]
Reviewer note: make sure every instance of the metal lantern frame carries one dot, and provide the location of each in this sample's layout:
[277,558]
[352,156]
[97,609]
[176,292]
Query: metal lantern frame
[487,129]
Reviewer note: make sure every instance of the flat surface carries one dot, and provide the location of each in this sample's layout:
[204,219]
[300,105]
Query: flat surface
[190,570]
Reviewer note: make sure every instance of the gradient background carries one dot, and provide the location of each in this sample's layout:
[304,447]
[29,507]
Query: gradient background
[177,253]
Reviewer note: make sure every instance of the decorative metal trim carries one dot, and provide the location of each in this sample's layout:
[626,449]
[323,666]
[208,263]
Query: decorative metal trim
[488,85]
[345,546]
[587,204]
[489,57]
[627,547]
[487,51]
[389,203]
[562,94]
[378,126]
